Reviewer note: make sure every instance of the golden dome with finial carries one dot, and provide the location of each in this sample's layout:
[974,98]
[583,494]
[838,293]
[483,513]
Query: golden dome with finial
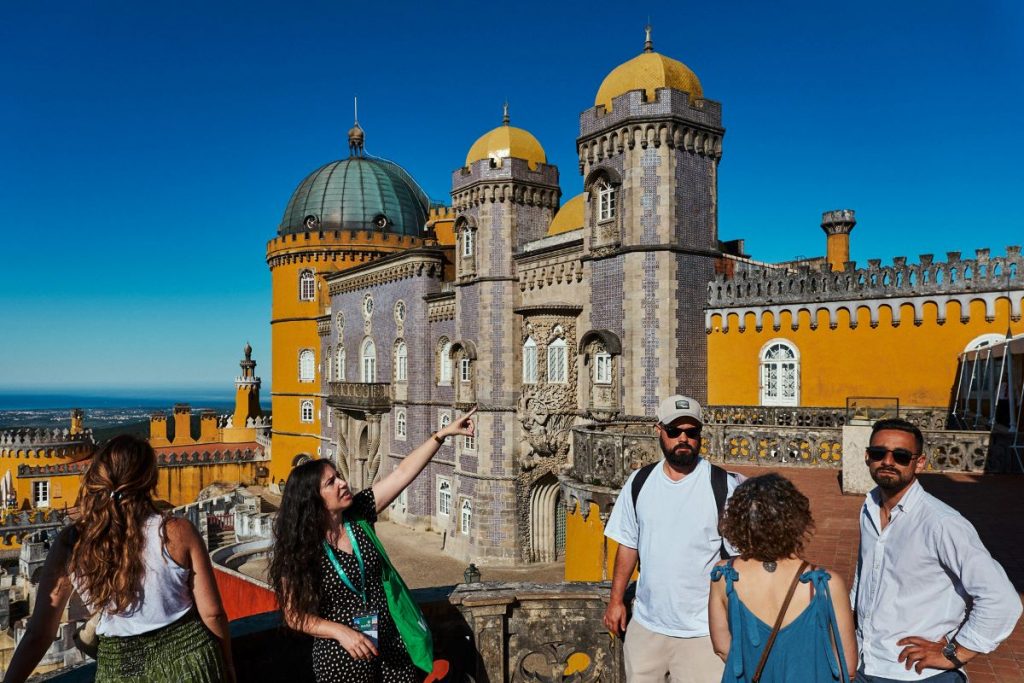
[648,72]
[569,217]
[505,142]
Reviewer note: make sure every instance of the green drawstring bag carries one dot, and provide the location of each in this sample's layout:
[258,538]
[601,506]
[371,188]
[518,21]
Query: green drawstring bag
[404,611]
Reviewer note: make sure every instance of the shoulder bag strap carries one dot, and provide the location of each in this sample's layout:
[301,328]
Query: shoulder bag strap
[778,623]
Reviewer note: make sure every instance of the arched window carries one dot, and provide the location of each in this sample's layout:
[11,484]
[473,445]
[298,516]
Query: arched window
[401,425]
[328,363]
[602,367]
[307,366]
[780,374]
[444,497]
[467,242]
[557,362]
[444,421]
[369,362]
[529,361]
[465,516]
[307,286]
[306,411]
[444,359]
[339,364]
[401,362]
[606,202]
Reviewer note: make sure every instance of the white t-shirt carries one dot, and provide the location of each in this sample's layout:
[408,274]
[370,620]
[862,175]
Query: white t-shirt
[678,540]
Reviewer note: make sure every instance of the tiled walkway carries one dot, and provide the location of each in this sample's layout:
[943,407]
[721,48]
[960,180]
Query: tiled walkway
[993,503]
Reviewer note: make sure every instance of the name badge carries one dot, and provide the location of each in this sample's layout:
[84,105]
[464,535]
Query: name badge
[367,624]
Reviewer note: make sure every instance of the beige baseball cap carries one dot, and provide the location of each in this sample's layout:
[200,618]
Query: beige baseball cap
[675,407]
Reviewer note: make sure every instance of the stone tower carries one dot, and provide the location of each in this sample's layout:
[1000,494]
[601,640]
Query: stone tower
[504,196]
[838,225]
[649,151]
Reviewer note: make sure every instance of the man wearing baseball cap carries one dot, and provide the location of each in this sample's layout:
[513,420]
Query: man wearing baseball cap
[666,517]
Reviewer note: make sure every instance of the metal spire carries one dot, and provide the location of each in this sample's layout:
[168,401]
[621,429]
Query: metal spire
[648,43]
[504,117]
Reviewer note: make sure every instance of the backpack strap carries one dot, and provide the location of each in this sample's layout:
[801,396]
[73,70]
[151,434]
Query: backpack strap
[638,482]
[720,487]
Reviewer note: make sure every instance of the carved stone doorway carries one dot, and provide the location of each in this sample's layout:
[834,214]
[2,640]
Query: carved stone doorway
[547,521]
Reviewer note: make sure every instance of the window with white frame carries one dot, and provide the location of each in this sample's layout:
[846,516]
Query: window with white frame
[307,365]
[602,368]
[464,369]
[306,411]
[529,361]
[369,362]
[401,362]
[444,496]
[444,359]
[467,242]
[307,286]
[557,362]
[606,202]
[780,374]
[469,443]
[330,417]
[328,364]
[339,364]
[444,420]
[466,516]
[401,425]
[41,493]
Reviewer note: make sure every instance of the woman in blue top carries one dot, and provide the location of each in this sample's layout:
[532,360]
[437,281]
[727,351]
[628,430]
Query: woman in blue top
[768,521]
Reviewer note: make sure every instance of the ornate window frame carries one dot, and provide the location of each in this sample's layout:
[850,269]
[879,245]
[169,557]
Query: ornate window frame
[401,361]
[557,361]
[444,496]
[775,372]
[306,411]
[307,365]
[465,516]
[307,285]
[529,361]
[444,362]
[368,361]
[401,424]
[339,363]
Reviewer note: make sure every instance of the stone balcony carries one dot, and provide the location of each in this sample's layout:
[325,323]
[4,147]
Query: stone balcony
[605,454]
[367,397]
[536,633]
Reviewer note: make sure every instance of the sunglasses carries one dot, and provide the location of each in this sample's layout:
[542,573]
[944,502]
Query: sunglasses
[674,432]
[901,456]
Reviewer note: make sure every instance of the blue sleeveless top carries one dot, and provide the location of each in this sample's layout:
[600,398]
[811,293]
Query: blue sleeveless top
[803,649]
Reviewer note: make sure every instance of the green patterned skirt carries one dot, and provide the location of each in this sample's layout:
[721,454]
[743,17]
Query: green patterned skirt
[182,652]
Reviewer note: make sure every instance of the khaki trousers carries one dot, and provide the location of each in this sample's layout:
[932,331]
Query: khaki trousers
[651,656]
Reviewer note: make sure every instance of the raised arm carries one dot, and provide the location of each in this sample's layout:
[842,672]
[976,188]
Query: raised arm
[54,591]
[389,488]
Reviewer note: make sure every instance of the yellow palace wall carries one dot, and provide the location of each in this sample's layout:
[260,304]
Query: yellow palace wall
[915,363]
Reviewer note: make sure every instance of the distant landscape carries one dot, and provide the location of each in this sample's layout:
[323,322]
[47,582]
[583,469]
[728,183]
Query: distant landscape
[106,413]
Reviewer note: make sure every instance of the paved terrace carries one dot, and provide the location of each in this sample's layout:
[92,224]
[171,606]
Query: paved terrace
[988,501]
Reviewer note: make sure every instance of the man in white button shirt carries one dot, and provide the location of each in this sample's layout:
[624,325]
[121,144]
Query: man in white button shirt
[927,594]
[671,526]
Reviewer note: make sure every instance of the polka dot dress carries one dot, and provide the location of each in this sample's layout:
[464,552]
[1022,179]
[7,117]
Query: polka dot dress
[331,663]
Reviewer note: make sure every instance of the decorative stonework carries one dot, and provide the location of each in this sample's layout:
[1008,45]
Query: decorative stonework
[985,278]
[408,267]
[441,307]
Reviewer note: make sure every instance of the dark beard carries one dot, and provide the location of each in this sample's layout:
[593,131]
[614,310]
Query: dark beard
[893,483]
[682,459]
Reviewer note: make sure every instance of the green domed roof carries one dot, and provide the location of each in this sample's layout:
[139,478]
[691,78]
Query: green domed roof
[358,193]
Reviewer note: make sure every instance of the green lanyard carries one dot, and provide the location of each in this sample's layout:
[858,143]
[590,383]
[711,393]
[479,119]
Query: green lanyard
[359,560]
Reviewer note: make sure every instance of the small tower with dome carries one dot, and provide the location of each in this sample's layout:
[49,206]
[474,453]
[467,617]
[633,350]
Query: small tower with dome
[648,153]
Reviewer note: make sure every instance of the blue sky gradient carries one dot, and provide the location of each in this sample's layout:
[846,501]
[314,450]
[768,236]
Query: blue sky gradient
[148,150]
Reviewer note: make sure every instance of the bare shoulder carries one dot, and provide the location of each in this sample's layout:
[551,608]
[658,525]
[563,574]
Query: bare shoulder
[837,581]
[180,533]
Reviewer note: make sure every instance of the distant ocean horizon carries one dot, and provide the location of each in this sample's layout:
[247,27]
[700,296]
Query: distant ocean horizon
[105,408]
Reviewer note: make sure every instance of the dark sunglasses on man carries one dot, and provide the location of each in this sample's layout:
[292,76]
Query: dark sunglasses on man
[901,456]
[674,432]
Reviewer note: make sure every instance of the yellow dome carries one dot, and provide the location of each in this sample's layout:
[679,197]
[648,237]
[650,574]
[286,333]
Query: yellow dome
[569,217]
[647,72]
[507,141]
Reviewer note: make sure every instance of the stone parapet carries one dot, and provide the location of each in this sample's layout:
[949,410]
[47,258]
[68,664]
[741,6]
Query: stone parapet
[364,396]
[765,287]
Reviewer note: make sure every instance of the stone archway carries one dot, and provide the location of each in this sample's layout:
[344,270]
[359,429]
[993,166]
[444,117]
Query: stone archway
[547,527]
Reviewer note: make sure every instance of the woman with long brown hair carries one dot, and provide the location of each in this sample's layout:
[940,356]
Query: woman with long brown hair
[148,576]
[328,570]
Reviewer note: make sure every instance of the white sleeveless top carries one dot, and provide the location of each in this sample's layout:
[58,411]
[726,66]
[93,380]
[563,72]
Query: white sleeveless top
[166,596]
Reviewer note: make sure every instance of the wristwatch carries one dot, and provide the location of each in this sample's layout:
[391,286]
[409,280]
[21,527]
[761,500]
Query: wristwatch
[949,652]
[438,438]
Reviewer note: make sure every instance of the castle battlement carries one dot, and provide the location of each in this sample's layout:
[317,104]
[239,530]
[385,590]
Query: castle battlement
[44,438]
[668,103]
[339,239]
[955,275]
[440,213]
[504,170]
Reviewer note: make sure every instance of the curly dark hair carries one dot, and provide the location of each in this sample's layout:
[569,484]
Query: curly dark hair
[299,530]
[115,500]
[767,519]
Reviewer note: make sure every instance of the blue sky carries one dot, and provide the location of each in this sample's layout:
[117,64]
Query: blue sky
[147,150]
